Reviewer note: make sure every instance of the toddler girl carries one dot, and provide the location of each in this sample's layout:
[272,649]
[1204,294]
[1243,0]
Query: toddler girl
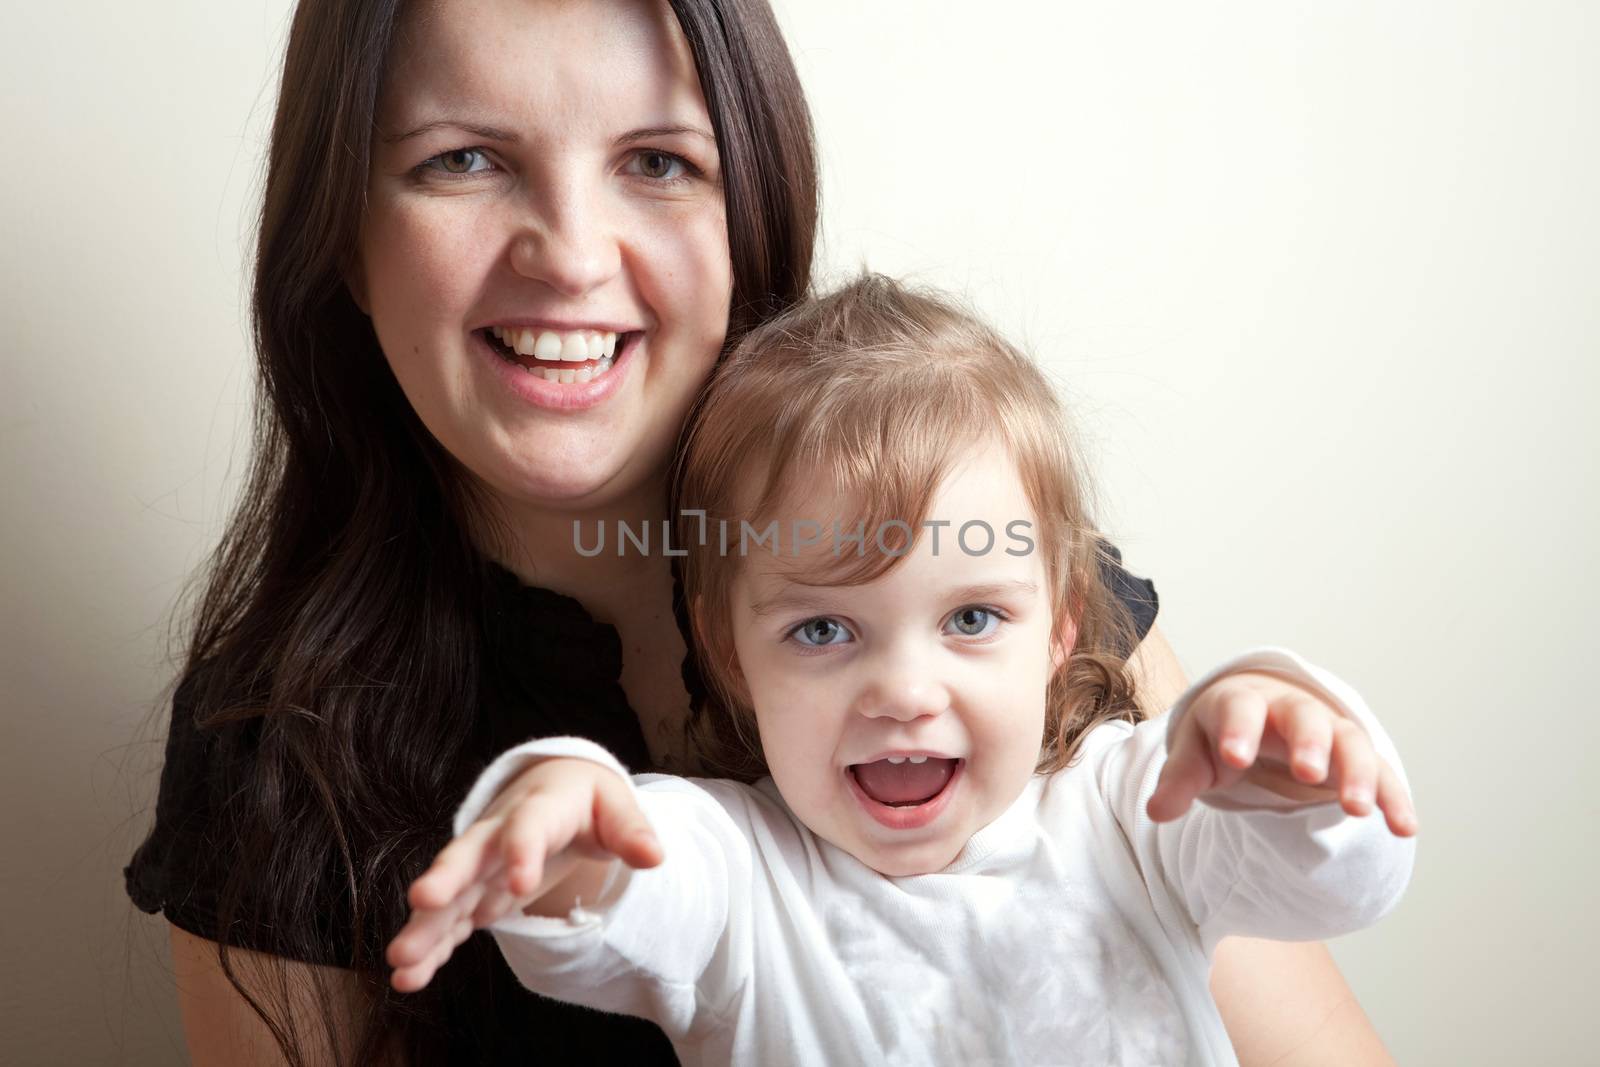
[944,834]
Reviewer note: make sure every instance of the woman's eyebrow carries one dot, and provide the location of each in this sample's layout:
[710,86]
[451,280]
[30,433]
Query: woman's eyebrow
[652,132]
[494,133]
[487,133]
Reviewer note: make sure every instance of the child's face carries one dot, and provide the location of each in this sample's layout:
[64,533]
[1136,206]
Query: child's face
[945,658]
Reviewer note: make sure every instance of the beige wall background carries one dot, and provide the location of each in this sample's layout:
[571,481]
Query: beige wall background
[1321,282]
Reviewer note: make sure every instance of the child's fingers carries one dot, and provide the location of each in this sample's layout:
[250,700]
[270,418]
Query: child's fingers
[1395,803]
[441,954]
[1357,766]
[621,828]
[1306,728]
[415,976]
[1188,773]
[427,927]
[410,979]
[469,857]
[413,944]
[416,940]
[1217,742]
[497,901]
[1234,718]
[533,833]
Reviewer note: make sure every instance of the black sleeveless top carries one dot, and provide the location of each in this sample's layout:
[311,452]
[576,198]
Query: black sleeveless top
[548,669]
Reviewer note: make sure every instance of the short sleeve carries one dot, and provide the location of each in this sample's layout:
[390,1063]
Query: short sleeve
[1138,595]
[182,869]
[164,874]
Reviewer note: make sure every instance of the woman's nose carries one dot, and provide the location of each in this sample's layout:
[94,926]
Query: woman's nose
[568,244]
[901,685]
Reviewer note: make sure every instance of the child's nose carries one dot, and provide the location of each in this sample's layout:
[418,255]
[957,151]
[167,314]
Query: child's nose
[901,685]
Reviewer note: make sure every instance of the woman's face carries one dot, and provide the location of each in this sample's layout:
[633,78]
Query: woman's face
[544,175]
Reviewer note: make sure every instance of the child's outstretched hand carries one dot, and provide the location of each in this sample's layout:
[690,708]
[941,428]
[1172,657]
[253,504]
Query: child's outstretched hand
[1260,728]
[549,839]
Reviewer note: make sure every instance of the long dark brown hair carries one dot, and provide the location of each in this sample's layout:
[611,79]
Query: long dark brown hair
[333,660]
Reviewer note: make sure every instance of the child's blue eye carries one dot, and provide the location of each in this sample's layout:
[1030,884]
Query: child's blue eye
[974,622]
[818,632]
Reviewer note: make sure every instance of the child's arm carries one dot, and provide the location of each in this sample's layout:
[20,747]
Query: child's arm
[1304,822]
[674,944]
[550,837]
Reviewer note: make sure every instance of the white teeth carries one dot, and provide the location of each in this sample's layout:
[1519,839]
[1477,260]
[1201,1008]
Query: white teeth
[896,760]
[919,759]
[575,347]
[548,346]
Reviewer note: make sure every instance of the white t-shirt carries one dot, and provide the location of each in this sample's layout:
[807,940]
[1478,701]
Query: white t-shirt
[1071,930]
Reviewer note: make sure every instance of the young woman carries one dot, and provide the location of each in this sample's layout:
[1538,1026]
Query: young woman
[461,198]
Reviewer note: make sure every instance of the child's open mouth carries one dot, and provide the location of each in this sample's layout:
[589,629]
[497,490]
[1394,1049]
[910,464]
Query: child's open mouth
[904,793]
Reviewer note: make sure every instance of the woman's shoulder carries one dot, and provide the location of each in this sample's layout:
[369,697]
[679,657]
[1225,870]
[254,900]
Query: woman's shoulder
[237,852]
[167,872]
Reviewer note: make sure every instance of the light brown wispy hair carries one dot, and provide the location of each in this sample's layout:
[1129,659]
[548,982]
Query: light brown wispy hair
[880,390]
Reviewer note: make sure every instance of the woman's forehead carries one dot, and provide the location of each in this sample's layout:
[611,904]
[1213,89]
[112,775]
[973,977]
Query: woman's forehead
[541,68]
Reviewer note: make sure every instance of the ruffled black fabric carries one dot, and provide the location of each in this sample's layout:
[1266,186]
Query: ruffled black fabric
[551,669]
[1138,595]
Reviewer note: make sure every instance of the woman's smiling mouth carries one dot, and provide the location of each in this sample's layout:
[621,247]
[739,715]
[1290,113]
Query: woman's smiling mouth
[569,357]
[580,383]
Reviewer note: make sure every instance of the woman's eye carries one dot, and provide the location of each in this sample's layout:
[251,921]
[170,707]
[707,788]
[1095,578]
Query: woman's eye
[457,161]
[661,166]
[819,632]
[974,622]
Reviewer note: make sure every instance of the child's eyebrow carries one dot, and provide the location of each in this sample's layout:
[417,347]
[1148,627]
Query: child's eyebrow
[791,596]
[788,598]
[994,591]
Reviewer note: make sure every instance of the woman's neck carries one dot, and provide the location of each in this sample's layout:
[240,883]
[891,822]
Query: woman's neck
[630,590]
[562,549]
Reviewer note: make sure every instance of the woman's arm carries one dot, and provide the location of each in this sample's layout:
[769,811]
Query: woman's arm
[1285,1004]
[223,1030]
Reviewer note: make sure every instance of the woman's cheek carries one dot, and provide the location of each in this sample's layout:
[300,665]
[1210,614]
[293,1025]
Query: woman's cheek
[425,268]
[688,267]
